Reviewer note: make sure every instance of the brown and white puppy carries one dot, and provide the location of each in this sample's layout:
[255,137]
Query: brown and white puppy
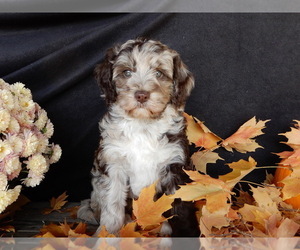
[145,85]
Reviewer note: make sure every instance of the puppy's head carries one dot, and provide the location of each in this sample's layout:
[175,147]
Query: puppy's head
[143,77]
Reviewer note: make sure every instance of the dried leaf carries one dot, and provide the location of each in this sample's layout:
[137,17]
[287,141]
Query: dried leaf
[150,214]
[52,228]
[287,228]
[242,140]
[292,159]
[201,186]
[267,200]
[291,183]
[293,136]
[202,158]
[129,230]
[209,220]
[80,228]
[104,233]
[239,170]
[56,203]
[8,228]
[199,134]
[64,230]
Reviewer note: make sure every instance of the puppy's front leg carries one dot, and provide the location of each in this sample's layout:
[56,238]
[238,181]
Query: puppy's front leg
[112,195]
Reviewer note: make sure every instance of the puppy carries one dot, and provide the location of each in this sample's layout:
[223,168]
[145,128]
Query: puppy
[142,136]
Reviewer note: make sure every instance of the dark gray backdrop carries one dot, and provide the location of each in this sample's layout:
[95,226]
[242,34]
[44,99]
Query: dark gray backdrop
[245,65]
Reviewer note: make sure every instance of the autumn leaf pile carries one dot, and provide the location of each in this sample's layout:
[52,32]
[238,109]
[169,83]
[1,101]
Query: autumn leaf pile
[263,211]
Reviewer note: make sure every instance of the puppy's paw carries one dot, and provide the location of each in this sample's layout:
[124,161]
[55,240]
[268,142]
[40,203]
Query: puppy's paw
[166,229]
[86,213]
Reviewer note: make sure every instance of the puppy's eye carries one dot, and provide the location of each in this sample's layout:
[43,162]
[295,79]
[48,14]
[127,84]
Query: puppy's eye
[158,74]
[127,73]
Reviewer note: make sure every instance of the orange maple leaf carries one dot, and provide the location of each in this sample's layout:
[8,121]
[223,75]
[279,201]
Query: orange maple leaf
[129,230]
[242,140]
[56,203]
[149,212]
[199,134]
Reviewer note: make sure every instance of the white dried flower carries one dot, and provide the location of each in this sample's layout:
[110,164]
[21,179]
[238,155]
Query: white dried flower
[3,181]
[15,142]
[25,131]
[37,164]
[12,165]
[48,130]
[5,149]
[41,120]
[4,120]
[42,146]
[9,196]
[24,118]
[20,91]
[6,99]
[56,154]
[3,84]
[33,180]
[26,104]
[31,143]
[14,126]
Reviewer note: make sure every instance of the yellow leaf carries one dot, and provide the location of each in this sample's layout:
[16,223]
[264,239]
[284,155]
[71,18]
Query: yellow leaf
[239,170]
[57,203]
[242,140]
[291,183]
[199,134]
[209,220]
[149,212]
[216,202]
[201,186]
[267,200]
[202,158]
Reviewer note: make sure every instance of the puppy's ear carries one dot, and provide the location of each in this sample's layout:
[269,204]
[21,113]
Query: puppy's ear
[104,73]
[183,83]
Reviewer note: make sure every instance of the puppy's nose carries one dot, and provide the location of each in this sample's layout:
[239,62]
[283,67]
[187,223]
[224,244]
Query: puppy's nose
[142,96]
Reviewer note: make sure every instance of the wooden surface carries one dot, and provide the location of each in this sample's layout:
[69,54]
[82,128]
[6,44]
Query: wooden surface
[30,219]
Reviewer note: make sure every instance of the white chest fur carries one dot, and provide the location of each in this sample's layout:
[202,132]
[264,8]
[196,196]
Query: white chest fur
[140,148]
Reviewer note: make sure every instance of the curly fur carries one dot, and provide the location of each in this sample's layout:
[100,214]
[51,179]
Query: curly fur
[142,136]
